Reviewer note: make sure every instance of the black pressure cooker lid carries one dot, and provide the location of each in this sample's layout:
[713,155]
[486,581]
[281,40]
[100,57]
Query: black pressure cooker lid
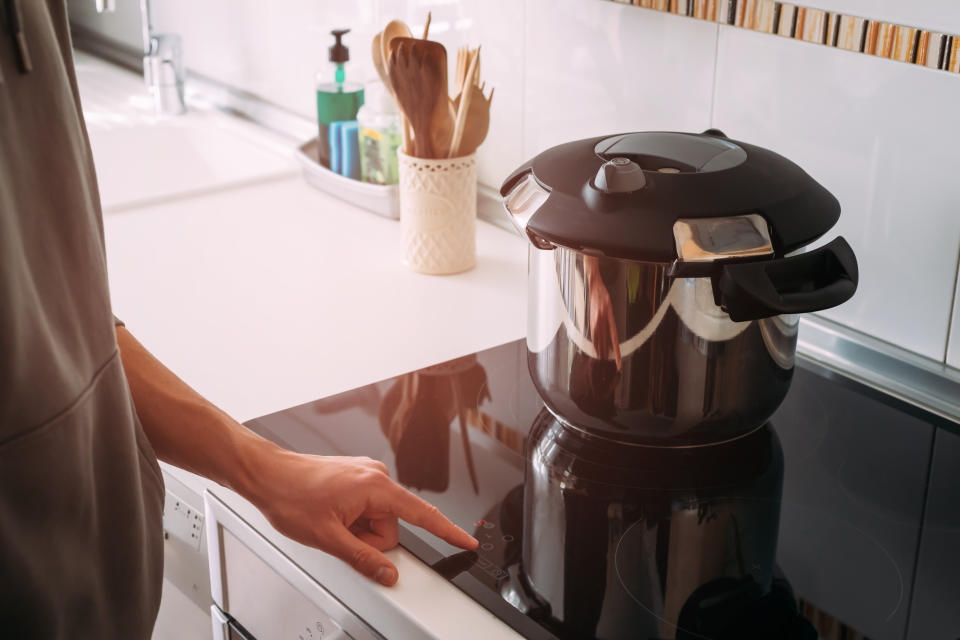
[620,195]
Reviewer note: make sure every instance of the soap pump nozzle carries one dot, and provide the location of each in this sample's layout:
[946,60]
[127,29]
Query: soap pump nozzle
[339,53]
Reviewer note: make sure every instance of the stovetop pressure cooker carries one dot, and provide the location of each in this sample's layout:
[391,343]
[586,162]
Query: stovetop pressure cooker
[665,276]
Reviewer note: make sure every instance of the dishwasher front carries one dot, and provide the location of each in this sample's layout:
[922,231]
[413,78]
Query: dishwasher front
[260,594]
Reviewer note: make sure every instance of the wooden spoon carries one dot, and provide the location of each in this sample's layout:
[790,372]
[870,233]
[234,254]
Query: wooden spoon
[394,29]
[418,73]
[477,120]
[376,50]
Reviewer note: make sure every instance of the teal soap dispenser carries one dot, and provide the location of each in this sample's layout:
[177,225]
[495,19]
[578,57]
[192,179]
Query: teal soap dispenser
[337,99]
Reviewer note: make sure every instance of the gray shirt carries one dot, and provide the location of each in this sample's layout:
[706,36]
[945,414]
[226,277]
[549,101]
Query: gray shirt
[81,494]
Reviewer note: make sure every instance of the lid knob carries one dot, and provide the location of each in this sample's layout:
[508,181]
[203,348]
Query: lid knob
[619,175]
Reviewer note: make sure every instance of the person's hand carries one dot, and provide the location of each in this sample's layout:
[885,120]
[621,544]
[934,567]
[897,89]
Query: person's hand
[347,507]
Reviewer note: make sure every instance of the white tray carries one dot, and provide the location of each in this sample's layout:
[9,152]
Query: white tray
[380,199]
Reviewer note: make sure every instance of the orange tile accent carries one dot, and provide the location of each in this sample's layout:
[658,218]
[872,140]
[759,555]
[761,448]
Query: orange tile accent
[903,43]
[812,25]
[787,12]
[801,19]
[871,44]
[955,56]
[767,9]
[750,14]
[885,44]
[847,39]
[922,48]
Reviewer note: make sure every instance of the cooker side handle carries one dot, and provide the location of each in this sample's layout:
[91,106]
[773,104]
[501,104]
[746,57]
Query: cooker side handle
[812,281]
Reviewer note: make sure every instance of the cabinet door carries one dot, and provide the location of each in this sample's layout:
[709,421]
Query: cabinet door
[935,613]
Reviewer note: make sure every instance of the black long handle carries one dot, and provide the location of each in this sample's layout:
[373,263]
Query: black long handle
[812,281]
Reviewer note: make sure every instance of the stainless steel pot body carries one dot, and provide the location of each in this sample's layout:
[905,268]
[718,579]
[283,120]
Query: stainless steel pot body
[624,349]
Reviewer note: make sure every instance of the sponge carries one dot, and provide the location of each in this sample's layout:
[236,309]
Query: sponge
[350,149]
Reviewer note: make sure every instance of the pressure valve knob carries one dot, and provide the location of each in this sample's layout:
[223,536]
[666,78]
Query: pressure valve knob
[620,175]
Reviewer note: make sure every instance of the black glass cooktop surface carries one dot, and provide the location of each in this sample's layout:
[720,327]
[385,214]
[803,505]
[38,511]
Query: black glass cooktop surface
[832,521]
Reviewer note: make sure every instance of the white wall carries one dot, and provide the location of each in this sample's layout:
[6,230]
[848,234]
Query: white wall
[881,135]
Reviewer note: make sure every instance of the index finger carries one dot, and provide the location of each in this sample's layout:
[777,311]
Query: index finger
[421,513]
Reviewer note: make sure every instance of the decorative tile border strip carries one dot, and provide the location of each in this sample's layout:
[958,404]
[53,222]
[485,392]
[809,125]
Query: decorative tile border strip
[884,39]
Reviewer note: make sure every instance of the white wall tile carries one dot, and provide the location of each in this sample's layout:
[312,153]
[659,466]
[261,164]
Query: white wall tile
[877,135]
[273,54]
[600,67]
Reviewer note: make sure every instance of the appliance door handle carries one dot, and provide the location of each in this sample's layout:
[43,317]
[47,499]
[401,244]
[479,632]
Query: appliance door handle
[812,281]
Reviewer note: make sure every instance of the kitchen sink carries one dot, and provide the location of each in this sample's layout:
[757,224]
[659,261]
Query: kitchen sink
[143,158]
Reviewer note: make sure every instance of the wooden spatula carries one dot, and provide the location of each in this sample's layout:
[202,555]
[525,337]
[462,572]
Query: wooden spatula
[418,73]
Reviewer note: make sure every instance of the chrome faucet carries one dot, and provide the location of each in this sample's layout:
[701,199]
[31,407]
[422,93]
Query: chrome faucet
[162,62]
[162,65]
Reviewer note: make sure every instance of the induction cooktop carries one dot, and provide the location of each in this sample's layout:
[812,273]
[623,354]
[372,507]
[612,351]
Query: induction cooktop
[848,521]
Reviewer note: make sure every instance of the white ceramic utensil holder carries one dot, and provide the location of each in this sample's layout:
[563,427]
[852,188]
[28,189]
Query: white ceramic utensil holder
[438,213]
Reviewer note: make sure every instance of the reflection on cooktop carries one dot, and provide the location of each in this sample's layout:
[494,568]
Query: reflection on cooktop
[779,534]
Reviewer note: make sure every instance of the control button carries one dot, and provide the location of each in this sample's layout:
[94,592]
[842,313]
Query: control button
[487,546]
[488,525]
[508,538]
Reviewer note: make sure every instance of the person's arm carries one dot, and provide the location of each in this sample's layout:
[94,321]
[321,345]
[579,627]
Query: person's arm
[347,507]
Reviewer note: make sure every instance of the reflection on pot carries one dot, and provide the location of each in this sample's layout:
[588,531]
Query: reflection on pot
[416,414]
[648,542]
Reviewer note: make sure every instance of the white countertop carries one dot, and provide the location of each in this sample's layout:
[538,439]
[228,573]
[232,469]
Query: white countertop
[269,296]
[273,294]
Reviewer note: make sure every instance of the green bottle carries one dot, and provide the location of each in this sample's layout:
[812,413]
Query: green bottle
[337,99]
